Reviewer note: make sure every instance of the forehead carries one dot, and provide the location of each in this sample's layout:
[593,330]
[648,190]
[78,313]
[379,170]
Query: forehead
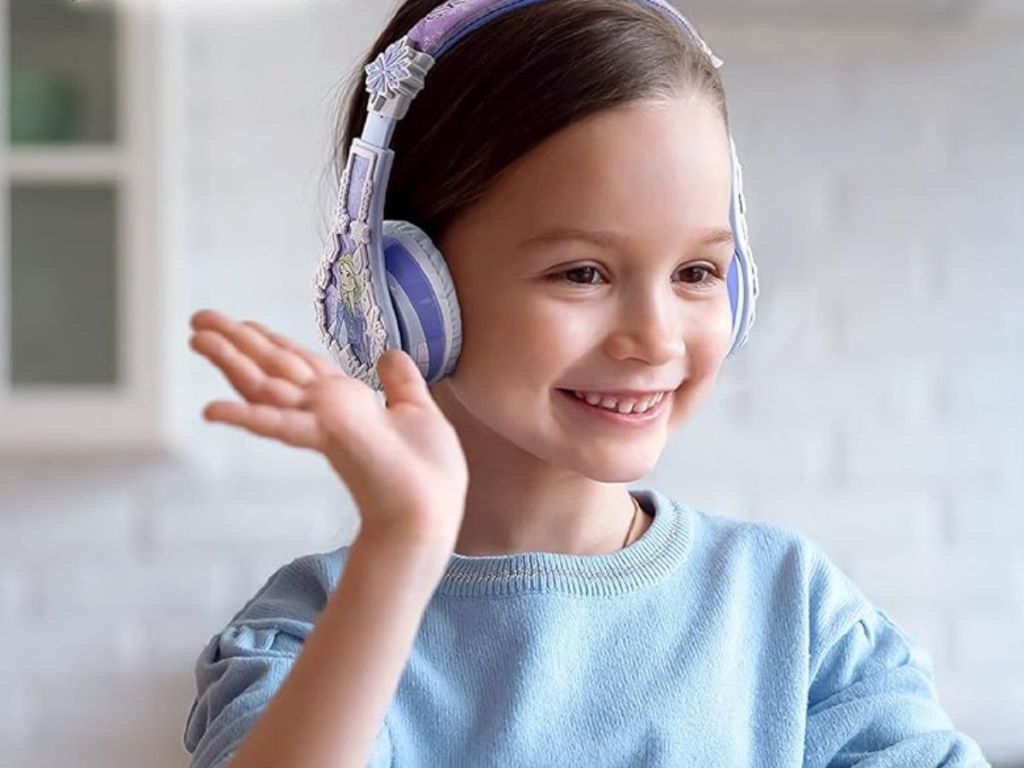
[652,169]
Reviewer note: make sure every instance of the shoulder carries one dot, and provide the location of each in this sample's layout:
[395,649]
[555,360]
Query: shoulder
[296,592]
[789,567]
[756,544]
[277,618]
[245,662]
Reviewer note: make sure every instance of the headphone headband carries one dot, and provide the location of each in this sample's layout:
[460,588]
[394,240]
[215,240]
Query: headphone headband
[395,77]
[444,26]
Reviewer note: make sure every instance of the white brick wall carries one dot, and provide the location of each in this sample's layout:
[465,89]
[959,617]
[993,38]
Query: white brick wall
[873,410]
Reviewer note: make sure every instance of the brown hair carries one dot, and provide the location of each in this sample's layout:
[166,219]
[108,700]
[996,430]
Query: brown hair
[506,87]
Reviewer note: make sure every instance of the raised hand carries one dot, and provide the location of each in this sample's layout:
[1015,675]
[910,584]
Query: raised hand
[401,460]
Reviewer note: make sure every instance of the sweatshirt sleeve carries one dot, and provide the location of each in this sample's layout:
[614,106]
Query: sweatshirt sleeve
[872,701]
[242,667]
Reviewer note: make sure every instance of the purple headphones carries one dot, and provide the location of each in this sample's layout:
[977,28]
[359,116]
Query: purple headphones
[384,284]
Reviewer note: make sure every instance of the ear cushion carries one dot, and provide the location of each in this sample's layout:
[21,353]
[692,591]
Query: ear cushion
[423,297]
[742,278]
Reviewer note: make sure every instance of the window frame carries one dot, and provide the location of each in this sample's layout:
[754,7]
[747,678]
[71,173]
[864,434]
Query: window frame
[129,415]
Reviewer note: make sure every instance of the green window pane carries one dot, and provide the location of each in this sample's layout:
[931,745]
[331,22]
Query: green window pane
[63,285]
[62,72]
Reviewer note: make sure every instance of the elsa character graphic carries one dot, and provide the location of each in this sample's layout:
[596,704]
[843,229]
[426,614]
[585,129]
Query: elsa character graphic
[350,289]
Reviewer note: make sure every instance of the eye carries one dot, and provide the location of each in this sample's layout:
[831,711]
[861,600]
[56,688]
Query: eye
[587,271]
[707,275]
[711,274]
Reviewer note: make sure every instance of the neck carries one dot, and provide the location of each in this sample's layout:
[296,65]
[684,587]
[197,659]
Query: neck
[580,521]
[516,502]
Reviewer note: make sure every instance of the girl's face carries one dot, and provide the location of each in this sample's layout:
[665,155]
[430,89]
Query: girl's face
[646,309]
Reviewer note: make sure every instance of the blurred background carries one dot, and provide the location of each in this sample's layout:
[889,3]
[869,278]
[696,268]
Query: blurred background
[162,156]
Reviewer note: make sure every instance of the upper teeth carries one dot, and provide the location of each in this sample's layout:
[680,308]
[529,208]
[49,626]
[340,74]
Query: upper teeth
[626,405]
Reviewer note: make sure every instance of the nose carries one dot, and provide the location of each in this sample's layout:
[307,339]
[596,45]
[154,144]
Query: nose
[649,326]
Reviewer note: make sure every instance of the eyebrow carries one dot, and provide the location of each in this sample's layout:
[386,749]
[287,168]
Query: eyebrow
[712,236]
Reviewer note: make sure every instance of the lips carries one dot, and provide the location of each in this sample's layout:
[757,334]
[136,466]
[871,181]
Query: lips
[637,404]
[595,415]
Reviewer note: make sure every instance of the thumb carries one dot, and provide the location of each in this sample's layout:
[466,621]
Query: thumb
[401,377]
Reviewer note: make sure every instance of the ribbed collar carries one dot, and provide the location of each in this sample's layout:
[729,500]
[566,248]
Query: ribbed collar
[658,551]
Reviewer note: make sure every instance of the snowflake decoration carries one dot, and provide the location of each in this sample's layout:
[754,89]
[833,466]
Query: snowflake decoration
[386,72]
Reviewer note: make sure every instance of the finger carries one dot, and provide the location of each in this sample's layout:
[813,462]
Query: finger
[202,317]
[401,378]
[297,428]
[319,365]
[246,376]
[272,358]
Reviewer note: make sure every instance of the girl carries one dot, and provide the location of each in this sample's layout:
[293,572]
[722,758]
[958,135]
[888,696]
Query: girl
[507,601]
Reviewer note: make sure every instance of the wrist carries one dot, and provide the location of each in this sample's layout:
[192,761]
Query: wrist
[407,541]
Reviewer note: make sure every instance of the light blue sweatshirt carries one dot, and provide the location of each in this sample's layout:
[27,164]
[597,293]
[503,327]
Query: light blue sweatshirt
[708,642]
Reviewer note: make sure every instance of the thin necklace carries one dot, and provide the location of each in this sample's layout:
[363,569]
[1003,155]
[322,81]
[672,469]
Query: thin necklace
[631,522]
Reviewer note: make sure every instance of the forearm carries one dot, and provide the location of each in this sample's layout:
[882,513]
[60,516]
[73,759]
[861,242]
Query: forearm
[332,704]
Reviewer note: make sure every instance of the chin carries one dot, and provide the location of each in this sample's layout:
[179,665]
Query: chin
[618,475]
[618,466]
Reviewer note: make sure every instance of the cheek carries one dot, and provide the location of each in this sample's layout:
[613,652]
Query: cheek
[708,338]
[525,336]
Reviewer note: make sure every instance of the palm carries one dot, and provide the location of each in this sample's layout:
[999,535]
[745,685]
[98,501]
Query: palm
[402,461]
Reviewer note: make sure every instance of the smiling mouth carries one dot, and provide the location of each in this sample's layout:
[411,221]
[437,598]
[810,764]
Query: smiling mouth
[607,415]
[634,406]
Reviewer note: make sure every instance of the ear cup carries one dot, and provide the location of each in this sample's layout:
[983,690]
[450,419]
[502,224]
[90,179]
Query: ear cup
[423,298]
